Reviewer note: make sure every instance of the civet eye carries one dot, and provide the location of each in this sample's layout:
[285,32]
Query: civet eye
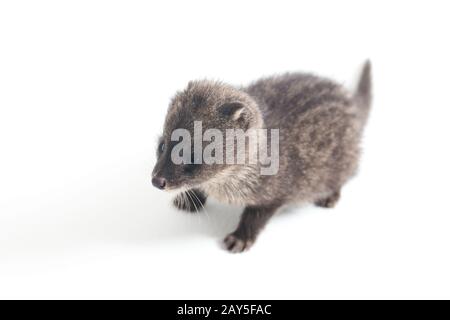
[161,147]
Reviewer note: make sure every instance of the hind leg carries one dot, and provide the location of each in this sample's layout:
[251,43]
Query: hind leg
[330,201]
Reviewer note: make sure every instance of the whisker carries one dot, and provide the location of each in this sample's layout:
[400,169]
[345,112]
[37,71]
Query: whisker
[204,209]
[197,216]
[193,202]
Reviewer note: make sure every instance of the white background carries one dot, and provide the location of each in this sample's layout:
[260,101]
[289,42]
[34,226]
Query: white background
[84,87]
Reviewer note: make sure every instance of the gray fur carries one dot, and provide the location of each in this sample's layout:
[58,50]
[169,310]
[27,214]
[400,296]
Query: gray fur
[320,127]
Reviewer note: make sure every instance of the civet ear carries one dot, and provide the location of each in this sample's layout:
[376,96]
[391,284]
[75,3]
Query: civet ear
[232,110]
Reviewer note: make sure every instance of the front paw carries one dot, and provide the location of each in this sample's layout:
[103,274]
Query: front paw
[190,201]
[235,244]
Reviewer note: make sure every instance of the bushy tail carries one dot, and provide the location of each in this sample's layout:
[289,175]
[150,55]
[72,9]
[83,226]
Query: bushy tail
[363,94]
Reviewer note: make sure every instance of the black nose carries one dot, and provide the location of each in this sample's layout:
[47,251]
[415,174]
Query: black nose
[160,183]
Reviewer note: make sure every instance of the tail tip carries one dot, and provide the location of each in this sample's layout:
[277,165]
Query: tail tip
[365,81]
[367,69]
